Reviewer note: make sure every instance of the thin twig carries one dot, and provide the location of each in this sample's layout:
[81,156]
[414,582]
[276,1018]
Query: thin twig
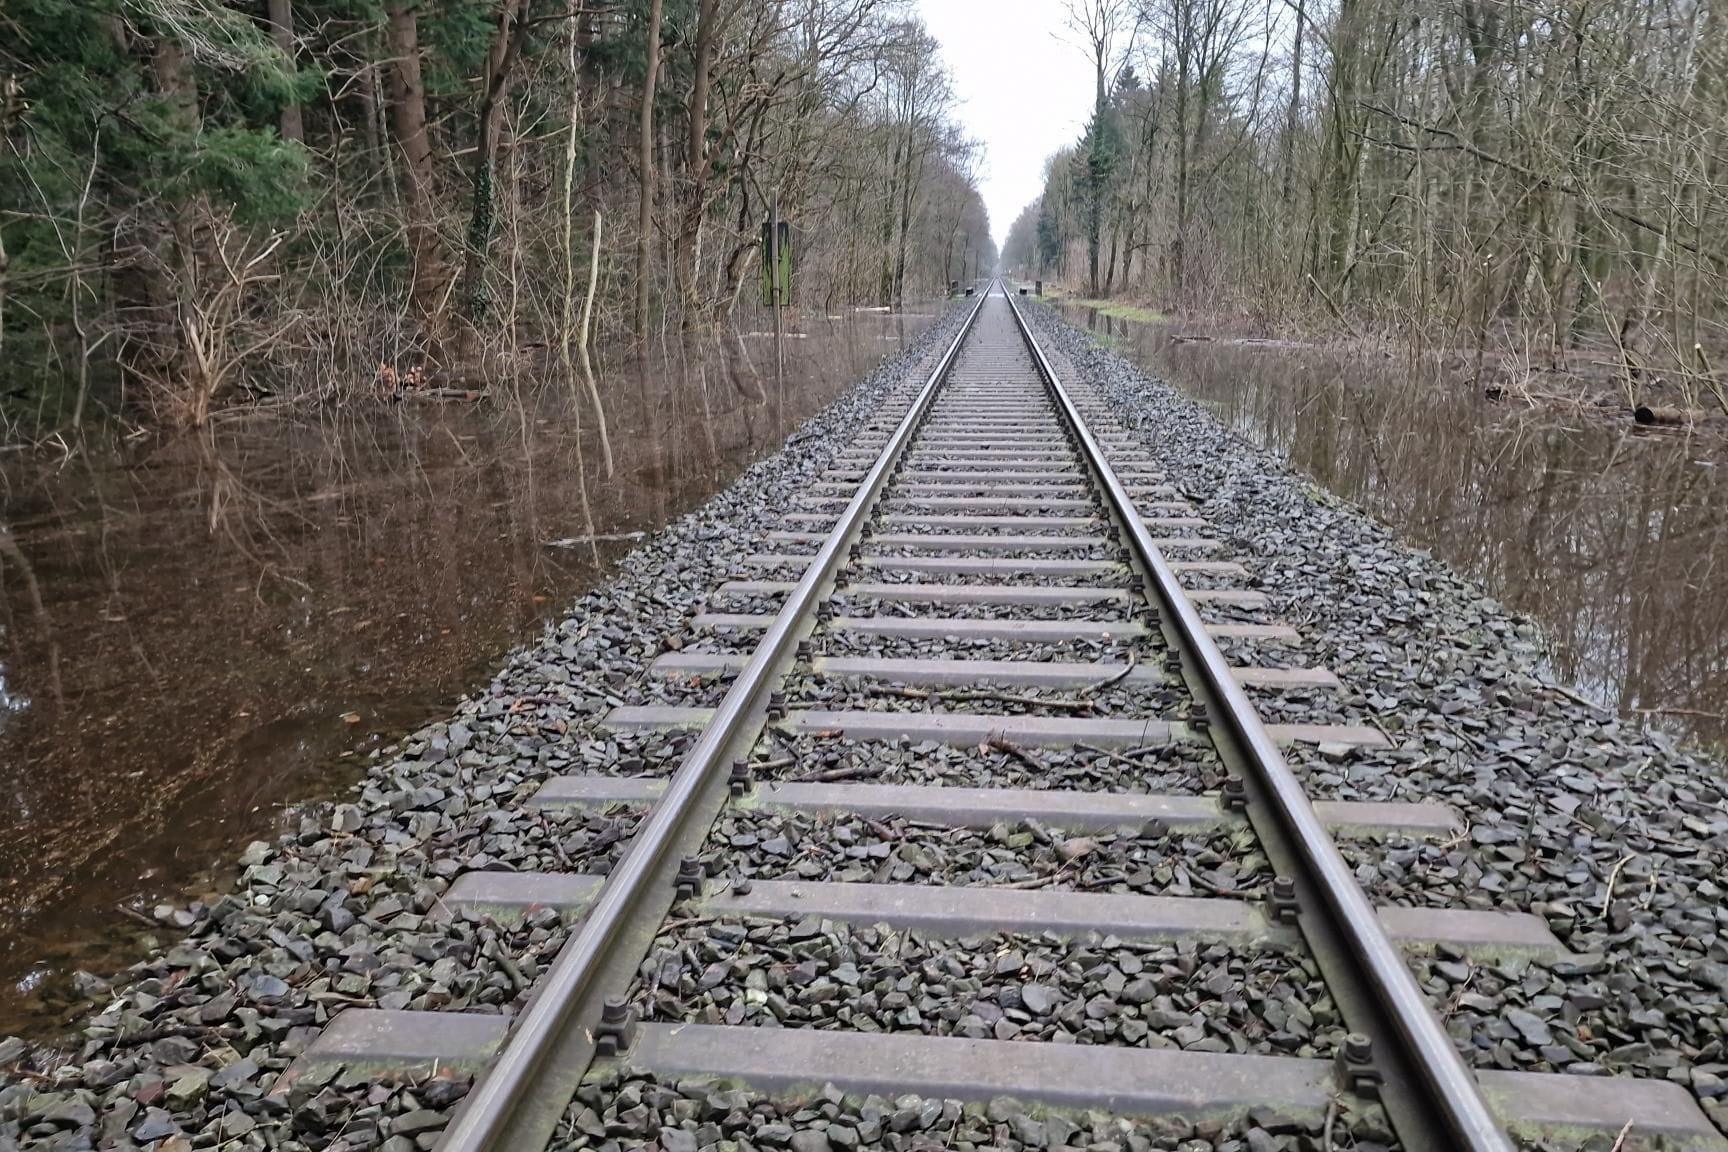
[1035,882]
[856,772]
[1108,754]
[134,914]
[1111,681]
[1019,753]
[1578,699]
[686,922]
[1699,712]
[1710,380]
[1381,728]
[1613,876]
[1332,307]
[593,538]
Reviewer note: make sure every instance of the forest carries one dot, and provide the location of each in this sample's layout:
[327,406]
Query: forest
[1539,182]
[210,203]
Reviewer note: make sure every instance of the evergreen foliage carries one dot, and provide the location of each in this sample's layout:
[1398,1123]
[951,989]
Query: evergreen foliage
[203,202]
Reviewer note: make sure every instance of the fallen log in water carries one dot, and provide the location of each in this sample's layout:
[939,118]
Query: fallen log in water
[596,538]
[1647,414]
[469,395]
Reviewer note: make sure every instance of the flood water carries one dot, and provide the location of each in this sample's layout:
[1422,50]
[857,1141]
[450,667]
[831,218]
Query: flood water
[1614,537]
[196,632]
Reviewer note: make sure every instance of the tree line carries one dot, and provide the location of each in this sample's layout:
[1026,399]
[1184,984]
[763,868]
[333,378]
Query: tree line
[204,202]
[1542,178]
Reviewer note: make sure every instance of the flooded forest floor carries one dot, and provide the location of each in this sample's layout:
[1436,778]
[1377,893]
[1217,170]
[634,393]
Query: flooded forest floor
[1594,380]
[1613,536]
[198,631]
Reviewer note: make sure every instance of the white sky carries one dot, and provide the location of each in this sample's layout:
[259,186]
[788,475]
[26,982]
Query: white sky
[1024,89]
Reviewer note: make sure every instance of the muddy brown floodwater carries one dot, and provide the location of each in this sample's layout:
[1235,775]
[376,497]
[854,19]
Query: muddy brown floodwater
[1614,537]
[196,632]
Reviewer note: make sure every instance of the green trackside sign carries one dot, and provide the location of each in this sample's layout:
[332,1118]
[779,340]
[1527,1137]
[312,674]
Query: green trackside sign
[776,264]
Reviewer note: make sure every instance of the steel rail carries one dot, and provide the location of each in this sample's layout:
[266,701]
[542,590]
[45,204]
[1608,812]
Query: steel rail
[1451,1085]
[483,1117]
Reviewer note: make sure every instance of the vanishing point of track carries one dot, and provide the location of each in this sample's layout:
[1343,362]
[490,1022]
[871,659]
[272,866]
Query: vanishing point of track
[994,564]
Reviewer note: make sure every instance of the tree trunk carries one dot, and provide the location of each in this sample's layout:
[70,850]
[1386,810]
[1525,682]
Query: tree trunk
[500,70]
[645,208]
[368,96]
[906,190]
[281,14]
[1094,226]
[885,288]
[696,155]
[407,95]
[1287,191]
[152,261]
[1128,242]
[912,177]
[6,263]
[1179,245]
[1344,149]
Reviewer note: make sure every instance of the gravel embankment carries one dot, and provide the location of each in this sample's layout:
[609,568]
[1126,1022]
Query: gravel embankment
[693,1114]
[847,848]
[1139,700]
[816,974]
[1177,769]
[1614,835]
[343,909]
[1082,650]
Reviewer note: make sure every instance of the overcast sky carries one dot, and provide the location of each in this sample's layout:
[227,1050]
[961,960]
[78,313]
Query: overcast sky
[1024,90]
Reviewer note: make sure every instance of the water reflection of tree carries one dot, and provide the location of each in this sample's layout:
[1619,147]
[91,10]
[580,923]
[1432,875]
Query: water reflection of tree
[215,603]
[1613,539]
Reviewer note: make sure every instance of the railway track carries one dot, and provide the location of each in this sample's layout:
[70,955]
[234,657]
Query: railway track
[979,806]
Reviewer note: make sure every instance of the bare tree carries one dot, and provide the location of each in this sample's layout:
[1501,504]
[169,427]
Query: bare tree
[645,207]
[407,93]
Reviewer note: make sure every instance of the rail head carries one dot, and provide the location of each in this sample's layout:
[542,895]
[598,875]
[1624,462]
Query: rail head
[1429,1051]
[483,1119]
